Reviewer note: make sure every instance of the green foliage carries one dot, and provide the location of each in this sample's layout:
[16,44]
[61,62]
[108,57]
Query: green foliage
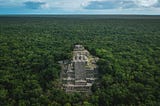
[30,48]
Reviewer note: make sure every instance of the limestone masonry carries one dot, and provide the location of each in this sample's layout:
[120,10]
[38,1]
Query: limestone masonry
[79,74]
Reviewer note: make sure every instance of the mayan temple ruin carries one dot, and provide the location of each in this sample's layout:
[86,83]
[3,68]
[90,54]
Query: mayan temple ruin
[79,74]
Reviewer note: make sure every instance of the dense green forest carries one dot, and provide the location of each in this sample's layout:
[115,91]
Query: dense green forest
[129,64]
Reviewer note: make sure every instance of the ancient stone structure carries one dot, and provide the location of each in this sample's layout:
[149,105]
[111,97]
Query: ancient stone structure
[79,74]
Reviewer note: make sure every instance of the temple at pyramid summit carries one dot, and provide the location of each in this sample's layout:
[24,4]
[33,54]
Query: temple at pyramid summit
[79,73]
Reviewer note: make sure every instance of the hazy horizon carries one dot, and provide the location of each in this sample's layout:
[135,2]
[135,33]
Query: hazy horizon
[97,7]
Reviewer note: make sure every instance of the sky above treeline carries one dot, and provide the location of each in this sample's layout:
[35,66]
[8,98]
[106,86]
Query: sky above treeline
[147,7]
